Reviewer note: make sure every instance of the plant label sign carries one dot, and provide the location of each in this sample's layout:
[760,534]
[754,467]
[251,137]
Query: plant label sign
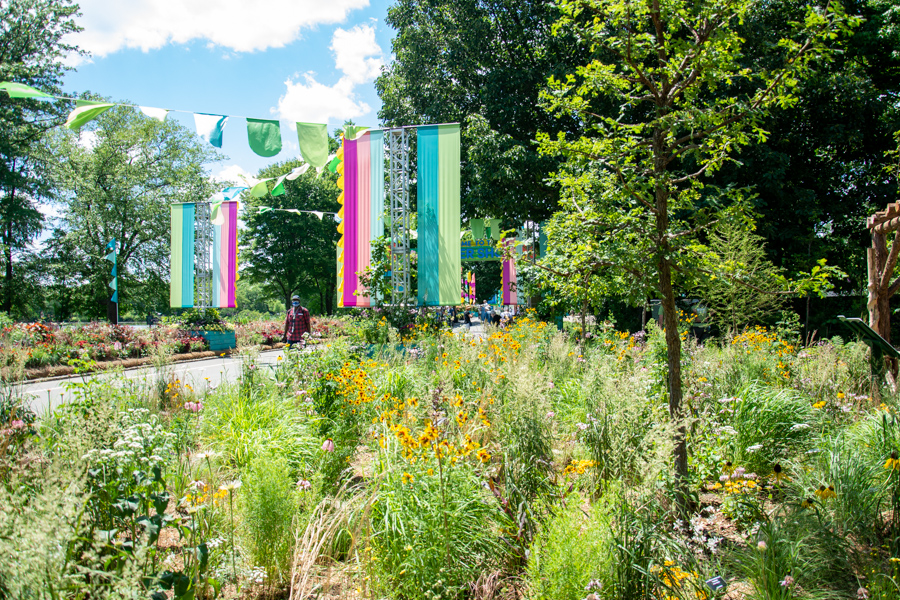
[716,583]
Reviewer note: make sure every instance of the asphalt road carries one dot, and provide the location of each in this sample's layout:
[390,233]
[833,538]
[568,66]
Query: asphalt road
[44,396]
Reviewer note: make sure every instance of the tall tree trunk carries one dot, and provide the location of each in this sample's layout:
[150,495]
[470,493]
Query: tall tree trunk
[7,252]
[670,322]
[330,297]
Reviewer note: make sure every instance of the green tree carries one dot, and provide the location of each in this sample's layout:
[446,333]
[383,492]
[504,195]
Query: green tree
[290,253]
[483,63]
[32,52]
[820,171]
[747,288]
[116,180]
[684,103]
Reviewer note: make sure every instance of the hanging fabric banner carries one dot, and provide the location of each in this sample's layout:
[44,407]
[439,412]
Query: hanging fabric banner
[313,138]
[210,128]
[181,257]
[438,214]
[339,169]
[224,256]
[510,295]
[264,136]
[362,180]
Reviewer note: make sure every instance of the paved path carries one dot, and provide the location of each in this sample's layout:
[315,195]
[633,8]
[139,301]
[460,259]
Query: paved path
[44,395]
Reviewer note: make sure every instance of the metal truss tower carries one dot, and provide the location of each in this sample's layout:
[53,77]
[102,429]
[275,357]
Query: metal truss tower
[398,142]
[203,241]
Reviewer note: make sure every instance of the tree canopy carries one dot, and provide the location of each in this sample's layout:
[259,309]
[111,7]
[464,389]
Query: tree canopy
[115,181]
[634,193]
[482,63]
[32,52]
[289,253]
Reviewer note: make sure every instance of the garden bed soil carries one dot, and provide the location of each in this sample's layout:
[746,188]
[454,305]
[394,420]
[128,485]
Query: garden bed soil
[66,370]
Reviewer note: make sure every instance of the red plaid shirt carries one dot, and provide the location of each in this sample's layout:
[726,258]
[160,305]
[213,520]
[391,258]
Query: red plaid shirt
[296,324]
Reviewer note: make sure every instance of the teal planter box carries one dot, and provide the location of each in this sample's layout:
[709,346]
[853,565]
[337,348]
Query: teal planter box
[219,340]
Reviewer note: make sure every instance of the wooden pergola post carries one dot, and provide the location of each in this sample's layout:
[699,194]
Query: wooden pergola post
[881,263]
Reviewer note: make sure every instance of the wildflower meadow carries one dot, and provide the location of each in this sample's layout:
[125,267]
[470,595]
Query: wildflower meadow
[522,464]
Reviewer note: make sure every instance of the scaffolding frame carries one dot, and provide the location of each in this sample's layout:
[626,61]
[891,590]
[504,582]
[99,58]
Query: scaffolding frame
[399,212]
[203,241]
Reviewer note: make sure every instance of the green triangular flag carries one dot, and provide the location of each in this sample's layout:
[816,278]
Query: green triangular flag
[264,209]
[332,166]
[477,226]
[313,139]
[260,189]
[18,90]
[353,132]
[264,136]
[85,112]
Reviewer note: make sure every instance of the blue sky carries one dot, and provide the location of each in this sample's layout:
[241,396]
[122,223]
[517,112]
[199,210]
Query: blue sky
[294,60]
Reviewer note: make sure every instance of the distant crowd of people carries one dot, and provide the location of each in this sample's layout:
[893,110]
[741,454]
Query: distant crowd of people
[488,315]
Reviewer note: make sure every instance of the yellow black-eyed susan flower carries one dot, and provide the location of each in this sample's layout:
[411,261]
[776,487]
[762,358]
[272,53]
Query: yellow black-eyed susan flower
[779,475]
[808,503]
[893,461]
[483,455]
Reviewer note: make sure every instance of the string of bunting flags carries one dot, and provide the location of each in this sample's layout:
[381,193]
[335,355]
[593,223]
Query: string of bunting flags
[263,135]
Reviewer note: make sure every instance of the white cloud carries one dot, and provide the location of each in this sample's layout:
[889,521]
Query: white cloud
[359,57]
[239,25]
[357,54]
[310,101]
[233,174]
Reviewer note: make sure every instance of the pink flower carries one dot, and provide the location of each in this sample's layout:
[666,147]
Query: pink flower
[787,582]
[18,424]
[328,445]
[303,485]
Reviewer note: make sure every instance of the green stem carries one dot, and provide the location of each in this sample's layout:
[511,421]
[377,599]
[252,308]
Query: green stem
[231,512]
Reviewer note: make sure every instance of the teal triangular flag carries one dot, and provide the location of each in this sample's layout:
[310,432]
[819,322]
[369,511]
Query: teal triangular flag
[114,284]
[115,297]
[114,271]
[111,245]
[111,257]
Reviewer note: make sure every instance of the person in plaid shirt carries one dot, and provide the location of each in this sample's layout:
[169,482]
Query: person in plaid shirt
[296,323]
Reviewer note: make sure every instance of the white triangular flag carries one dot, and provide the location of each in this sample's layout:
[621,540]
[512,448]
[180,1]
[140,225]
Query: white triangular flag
[295,173]
[155,113]
[209,127]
